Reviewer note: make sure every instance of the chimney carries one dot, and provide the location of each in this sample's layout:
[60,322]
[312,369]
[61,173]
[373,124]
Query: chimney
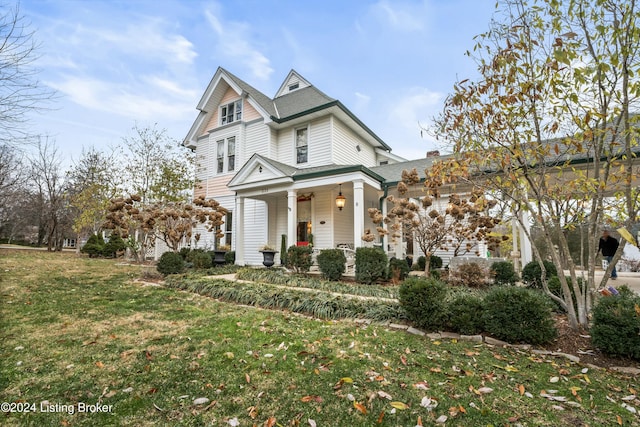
[434,153]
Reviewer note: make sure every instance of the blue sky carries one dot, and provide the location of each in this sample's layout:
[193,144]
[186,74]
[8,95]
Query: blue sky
[121,62]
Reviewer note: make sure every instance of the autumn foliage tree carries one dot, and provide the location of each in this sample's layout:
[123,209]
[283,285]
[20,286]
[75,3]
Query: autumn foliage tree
[458,227]
[172,222]
[550,125]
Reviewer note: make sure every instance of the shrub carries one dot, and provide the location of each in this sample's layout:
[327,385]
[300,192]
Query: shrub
[113,246]
[94,246]
[503,273]
[230,257]
[424,300]
[170,263]
[532,274]
[398,270]
[299,258]
[465,314]
[201,260]
[371,265]
[434,262]
[517,314]
[616,324]
[184,252]
[192,253]
[470,274]
[332,263]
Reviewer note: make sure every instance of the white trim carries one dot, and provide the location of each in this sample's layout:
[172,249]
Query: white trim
[284,87]
[295,143]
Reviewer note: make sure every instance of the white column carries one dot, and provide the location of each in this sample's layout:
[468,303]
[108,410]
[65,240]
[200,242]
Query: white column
[239,230]
[292,215]
[358,212]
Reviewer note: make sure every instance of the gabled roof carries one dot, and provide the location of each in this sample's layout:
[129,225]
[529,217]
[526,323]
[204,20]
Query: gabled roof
[289,105]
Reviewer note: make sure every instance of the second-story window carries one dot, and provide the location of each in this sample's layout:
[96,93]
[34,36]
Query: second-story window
[231,153]
[302,145]
[220,155]
[231,112]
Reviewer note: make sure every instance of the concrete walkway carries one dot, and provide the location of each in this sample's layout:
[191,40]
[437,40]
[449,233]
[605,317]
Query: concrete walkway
[632,280]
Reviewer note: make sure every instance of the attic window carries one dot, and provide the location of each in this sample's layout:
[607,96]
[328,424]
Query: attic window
[294,86]
[231,112]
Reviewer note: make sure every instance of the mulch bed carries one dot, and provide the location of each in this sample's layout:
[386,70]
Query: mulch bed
[579,344]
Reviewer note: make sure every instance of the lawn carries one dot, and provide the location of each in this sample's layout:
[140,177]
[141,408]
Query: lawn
[79,332]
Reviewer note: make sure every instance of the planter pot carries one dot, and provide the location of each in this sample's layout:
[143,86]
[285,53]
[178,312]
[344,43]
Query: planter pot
[268,258]
[218,259]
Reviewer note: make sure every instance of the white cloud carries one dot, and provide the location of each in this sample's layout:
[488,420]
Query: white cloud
[362,101]
[401,16]
[234,41]
[417,106]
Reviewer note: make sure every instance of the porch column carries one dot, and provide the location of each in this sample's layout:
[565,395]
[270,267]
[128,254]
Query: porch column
[292,215]
[358,212]
[239,230]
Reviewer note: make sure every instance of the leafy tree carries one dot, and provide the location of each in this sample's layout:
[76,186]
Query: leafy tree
[172,222]
[558,82]
[158,168]
[458,227]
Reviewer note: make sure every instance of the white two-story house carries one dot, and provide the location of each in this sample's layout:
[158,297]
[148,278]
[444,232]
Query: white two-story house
[299,164]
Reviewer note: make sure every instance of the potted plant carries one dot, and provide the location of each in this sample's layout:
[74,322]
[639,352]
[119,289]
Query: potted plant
[219,254]
[268,254]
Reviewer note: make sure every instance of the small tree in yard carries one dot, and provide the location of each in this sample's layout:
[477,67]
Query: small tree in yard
[171,222]
[458,227]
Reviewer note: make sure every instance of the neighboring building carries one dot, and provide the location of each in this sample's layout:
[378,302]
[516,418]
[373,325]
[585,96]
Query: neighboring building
[279,165]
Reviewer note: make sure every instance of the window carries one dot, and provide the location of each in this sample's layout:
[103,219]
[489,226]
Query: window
[231,153]
[302,145]
[294,86]
[228,229]
[231,112]
[220,155]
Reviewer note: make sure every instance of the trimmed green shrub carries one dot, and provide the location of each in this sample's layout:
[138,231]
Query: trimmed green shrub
[332,263]
[94,246]
[192,253]
[424,300]
[184,252]
[113,246]
[517,315]
[532,274]
[283,249]
[434,262]
[503,273]
[371,265]
[230,257]
[299,258]
[616,324]
[469,274]
[170,263]
[201,260]
[465,314]
[398,269]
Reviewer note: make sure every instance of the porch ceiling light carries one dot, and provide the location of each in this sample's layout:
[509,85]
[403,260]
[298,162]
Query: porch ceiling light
[340,200]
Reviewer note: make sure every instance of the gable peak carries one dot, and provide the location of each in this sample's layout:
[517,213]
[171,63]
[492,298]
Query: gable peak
[294,81]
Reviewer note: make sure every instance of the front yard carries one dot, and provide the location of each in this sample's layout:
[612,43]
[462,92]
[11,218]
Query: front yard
[79,332]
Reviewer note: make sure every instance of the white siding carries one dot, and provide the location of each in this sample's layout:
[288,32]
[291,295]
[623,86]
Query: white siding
[345,143]
[255,230]
[319,144]
[256,141]
[343,220]
[323,204]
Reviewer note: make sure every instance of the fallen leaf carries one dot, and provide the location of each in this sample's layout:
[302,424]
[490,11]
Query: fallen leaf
[347,380]
[360,407]
[403,360]
[380,417]
[628,398]
[229,355]
[441,419]
[233,422]
[247,378]
[384,395]
[253,412]
[311,422]
[400,405]
[485,390]
[461,409]
[419,423]
[428,403]
[311,398]
[619,419]
[554,379]
[270,422]
[521,389]
[99,364]
[148,355]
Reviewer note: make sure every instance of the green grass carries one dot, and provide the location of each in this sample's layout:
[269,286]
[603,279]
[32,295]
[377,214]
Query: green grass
[85,332]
